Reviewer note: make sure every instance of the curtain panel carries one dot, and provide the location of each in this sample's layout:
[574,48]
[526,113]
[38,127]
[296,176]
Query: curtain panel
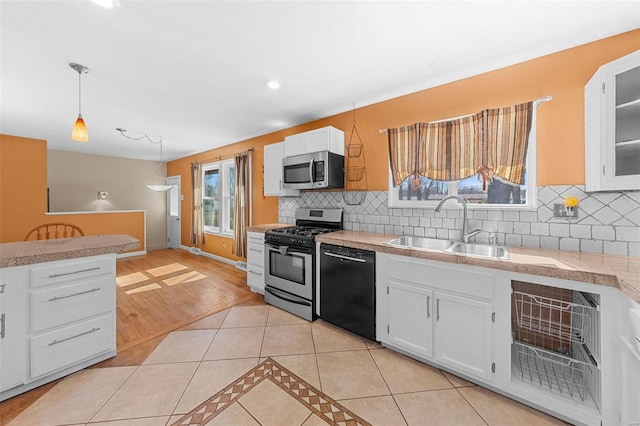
[241,205]
[404,153]
[197,229]
[491,142]
[507,139]
[452,148]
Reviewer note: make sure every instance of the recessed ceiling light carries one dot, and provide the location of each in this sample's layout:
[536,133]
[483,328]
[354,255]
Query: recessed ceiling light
[105,3]
[273,84]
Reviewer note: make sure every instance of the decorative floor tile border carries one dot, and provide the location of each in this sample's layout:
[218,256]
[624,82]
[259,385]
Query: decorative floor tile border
[320,404]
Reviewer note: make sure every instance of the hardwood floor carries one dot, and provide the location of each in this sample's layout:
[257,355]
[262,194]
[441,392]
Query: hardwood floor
[167,289]
[162,291]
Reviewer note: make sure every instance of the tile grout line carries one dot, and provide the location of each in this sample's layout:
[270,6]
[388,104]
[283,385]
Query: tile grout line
[472,407]
[387,385]
[114,392]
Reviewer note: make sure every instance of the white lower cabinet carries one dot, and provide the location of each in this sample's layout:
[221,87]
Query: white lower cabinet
[255,261]
[410,324]
[438,312]
[13,331]
[463,334]
[60,319]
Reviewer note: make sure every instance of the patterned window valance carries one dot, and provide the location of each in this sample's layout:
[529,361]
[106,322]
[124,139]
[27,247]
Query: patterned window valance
[491,142]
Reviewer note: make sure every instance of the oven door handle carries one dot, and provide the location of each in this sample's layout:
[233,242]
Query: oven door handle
[279,296]
[284,250]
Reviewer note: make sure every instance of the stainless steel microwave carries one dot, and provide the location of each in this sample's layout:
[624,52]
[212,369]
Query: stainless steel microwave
[315,170]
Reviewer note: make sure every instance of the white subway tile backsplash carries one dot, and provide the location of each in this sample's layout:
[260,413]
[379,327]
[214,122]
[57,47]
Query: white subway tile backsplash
[550,242]
[511,216]
[602,232]
[608,222]
[559,230]
[572,244]
[580,231]
[522,228]
[514,240]
[616,247]
[505,227]
[531,241]
[591,246]
[538,228]
[628,233]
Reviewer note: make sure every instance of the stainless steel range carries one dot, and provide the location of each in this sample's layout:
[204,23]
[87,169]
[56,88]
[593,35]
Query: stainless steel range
[290,260]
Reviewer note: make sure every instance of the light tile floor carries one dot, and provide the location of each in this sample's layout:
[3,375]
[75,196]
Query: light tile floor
[188,367]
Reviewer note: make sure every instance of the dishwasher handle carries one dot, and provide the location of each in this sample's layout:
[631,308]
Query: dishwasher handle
[340,256]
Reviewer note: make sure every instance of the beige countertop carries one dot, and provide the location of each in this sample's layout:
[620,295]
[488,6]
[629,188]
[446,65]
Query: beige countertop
[622,272]
[30,252]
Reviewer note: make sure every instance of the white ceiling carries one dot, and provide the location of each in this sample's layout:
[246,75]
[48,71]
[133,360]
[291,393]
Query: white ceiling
[193,72]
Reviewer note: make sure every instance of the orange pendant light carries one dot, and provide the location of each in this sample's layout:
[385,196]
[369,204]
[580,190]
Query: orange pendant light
[80,132]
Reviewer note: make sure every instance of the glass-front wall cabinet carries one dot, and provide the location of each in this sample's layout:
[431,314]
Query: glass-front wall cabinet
[612,126]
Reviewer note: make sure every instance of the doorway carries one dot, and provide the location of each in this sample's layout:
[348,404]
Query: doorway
[173,212]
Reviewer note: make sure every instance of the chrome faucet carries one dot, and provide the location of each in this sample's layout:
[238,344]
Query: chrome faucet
[465,222]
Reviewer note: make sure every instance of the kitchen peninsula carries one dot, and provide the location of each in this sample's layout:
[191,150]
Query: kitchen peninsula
[57,307]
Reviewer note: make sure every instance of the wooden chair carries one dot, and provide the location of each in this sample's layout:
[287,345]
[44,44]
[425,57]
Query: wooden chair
[50,231]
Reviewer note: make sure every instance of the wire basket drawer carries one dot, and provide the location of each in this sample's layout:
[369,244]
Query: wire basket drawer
[568,376]
[567,321]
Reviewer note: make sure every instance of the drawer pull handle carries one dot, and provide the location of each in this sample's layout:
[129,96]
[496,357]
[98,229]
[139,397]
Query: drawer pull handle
[53,299]
[95,268]
[2,288]
[3,319]
[255,273]
[256,250]
[93,330]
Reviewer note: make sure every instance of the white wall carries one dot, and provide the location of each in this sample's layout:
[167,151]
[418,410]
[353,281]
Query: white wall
[74,180]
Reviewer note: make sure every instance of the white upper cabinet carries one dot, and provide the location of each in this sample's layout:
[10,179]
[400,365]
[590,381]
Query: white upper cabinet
[273,182]
[612,126]
[323,139]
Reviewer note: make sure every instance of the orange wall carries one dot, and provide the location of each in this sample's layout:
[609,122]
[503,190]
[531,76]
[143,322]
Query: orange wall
[23,196]
[129,223]
[560,129]
[23,185]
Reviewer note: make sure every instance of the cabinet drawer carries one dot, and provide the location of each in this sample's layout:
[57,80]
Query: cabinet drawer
[70,270]
[70,345]
[54,306]
[255,238]
[255,254]
[255,276]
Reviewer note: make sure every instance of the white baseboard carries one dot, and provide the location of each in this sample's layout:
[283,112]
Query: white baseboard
[210,256]
[131,254]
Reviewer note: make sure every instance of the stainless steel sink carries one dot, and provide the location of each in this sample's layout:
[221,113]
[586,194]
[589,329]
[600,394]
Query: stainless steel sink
[424,243]
[448,246]
[481,250]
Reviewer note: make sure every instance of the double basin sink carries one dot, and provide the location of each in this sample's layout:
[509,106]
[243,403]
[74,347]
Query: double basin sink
[491,251]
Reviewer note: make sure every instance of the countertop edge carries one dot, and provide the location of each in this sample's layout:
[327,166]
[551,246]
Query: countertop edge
[32,252]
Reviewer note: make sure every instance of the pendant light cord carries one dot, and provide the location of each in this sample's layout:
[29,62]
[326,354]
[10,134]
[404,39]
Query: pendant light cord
[80,94]
[144,136]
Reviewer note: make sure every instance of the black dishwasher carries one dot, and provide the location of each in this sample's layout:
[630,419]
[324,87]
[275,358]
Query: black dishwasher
[348,289]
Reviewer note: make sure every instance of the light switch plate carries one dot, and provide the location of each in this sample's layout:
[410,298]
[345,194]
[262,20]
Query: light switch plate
[559,210]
